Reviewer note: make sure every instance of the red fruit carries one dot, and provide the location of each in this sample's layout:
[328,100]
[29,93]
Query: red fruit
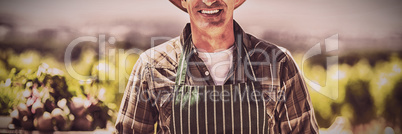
[23,110]
[61,118]
[77,106]
[44,122]
[37,107]
[49,105]
[57,113]
[27,123]
[83,123]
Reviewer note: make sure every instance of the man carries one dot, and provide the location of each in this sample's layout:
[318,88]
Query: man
[215,78]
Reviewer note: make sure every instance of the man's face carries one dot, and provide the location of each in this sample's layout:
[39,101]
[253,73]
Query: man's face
[210,14]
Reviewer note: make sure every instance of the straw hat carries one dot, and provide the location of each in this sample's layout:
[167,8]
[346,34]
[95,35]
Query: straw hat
[177,3]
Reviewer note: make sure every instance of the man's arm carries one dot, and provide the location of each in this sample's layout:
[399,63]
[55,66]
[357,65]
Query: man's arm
[295,111]
[136,114]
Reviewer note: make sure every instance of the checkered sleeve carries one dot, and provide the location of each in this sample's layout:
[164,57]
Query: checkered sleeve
[295,111]
[136,114]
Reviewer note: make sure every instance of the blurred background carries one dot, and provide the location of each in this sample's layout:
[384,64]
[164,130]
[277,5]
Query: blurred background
[37,88]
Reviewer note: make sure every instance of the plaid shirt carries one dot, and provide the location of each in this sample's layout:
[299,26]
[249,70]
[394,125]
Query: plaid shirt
[145,101]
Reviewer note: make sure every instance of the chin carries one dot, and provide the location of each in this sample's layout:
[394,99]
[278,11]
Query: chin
[215,24]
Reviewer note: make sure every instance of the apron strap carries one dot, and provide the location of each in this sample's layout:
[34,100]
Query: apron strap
[182,68]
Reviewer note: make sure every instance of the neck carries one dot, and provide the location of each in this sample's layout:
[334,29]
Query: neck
[213,39]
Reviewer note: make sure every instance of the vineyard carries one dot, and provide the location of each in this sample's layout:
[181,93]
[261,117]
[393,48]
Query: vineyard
[39,95]
[368,94]
[37,92]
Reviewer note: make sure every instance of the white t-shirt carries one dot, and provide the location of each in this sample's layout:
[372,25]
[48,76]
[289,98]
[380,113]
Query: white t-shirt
[218,64]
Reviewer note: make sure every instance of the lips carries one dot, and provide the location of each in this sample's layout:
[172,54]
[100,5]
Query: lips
[210,12]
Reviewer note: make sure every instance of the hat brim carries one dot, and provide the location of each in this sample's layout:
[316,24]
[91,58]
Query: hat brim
[177,3]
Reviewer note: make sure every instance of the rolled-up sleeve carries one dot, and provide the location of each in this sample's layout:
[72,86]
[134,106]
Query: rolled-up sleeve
[295,110]
[136,113]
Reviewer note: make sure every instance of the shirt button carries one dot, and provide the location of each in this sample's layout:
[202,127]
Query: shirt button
[206,73]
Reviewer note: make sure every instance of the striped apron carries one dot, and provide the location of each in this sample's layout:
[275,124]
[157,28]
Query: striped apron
[228,109]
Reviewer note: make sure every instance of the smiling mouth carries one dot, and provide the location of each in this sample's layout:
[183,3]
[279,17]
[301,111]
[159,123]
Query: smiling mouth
[210,12]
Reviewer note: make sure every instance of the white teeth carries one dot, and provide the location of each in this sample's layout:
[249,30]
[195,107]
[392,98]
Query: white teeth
[210,11]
